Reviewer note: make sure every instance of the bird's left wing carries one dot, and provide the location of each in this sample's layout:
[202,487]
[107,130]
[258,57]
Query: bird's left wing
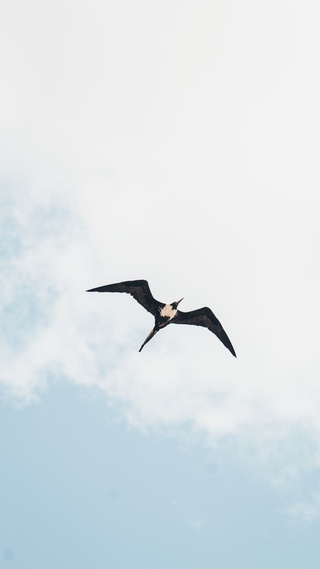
[204,317]
[140,291]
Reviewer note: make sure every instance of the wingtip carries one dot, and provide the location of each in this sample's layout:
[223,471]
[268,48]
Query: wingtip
[231,349]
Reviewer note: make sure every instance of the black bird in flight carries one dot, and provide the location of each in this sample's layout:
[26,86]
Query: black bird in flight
[167,313]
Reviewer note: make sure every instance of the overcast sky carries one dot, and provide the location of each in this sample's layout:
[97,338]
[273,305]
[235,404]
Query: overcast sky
[176,142]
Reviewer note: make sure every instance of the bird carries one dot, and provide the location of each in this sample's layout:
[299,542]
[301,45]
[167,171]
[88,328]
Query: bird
[166,314]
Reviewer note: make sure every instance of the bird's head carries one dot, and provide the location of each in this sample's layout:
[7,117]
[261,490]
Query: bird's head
[175,304]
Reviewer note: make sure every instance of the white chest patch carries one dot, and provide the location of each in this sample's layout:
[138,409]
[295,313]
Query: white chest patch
[168,311]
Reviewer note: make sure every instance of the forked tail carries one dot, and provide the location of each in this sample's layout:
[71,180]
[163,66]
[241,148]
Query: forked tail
[152,333]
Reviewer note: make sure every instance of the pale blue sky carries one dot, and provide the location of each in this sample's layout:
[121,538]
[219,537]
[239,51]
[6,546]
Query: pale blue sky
[79,489]
[177,143]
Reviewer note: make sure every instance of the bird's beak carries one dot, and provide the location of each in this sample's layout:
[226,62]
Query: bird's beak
[179,301]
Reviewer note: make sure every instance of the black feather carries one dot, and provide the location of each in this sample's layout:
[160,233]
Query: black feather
[140,291]
[204,317]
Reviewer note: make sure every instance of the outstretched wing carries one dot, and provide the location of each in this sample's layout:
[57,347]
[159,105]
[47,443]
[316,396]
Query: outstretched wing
[204,317]
[140,291]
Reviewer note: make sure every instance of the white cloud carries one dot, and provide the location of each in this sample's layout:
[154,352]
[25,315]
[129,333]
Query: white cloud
[306,510]
[195,523]
[141,146]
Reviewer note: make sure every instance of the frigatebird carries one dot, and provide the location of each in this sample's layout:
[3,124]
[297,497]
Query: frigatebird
[167,313]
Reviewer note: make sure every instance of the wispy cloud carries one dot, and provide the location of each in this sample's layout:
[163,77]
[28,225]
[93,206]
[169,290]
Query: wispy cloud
[307,511]
[195,523]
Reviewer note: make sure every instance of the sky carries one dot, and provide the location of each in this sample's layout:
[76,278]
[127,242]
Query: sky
[176,143]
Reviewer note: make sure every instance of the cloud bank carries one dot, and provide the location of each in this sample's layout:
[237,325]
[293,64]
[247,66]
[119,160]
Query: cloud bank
[191,165]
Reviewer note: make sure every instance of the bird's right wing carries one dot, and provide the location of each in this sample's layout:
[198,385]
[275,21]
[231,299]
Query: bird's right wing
[204,317]
[140,291]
